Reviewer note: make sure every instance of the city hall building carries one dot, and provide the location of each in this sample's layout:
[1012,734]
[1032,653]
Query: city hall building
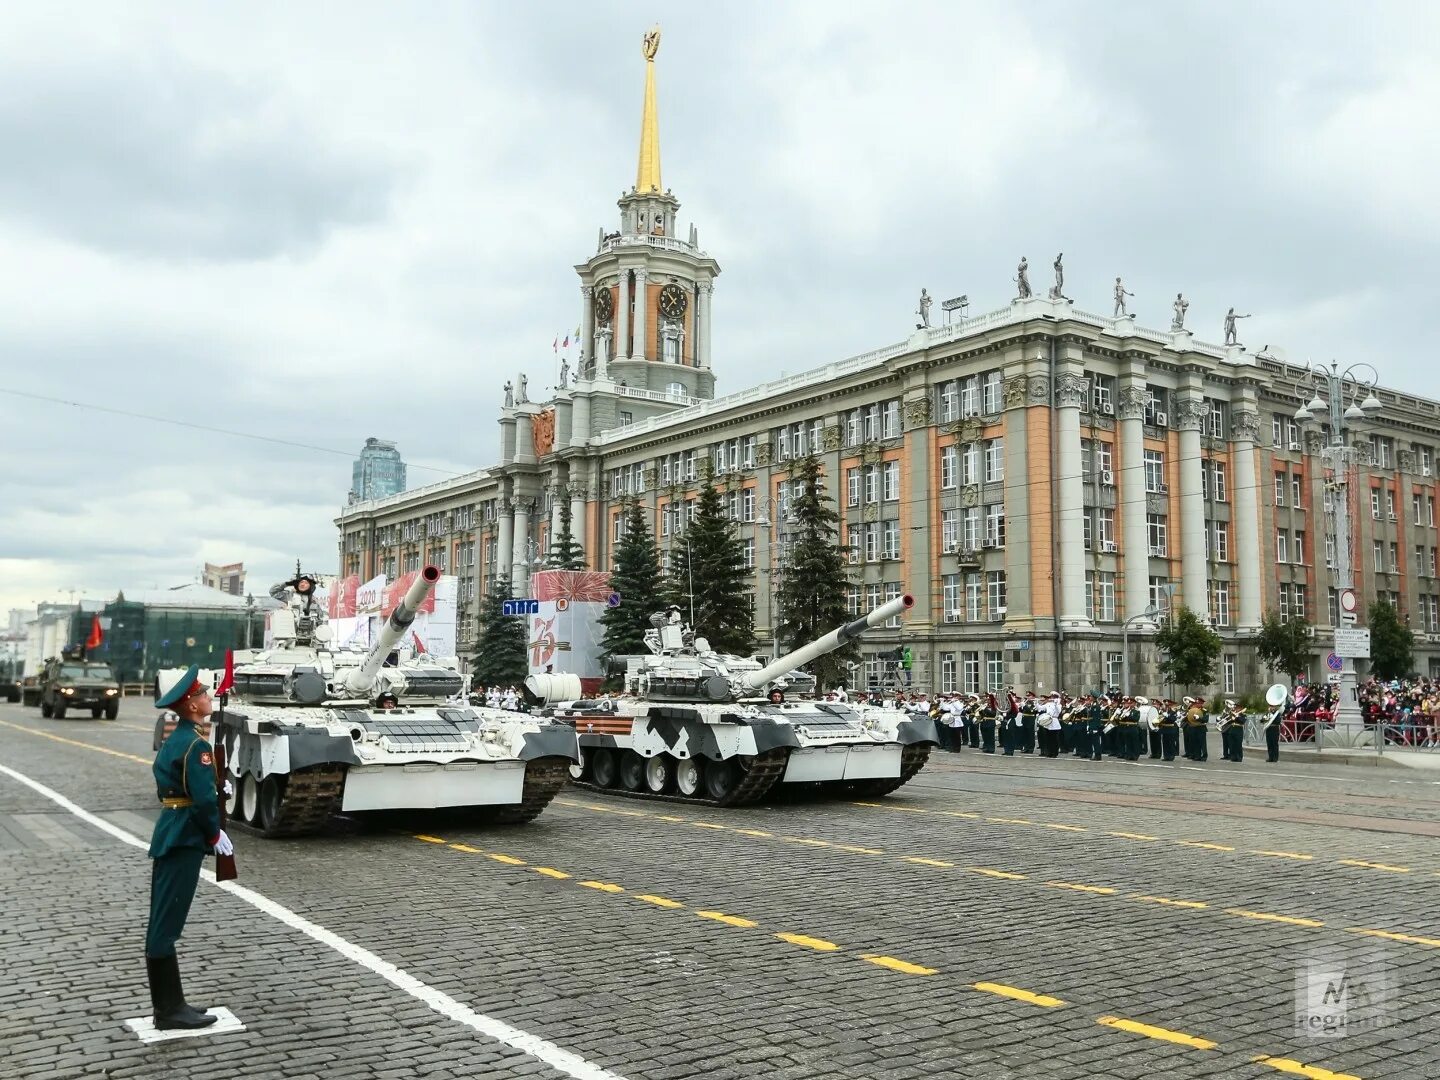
[1037,476]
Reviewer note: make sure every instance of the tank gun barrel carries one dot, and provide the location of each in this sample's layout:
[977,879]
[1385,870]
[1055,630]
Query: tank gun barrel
[362,679]
[756,680]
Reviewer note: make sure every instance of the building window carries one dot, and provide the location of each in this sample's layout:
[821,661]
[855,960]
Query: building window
[995,592]
[951,597]
[853,430]
[1222,542]
[1377,556]
[1394,558]
[1159,593]
[991,393]
[892,481]
[1154,472]
[1297,491]
[994,671]
[1375,503]
[995,525]
[872,484]
[626,418]
[970,528]
[852,487]
[949,530]
[1100,596]
[1217,420]
[949,462]
[949,405]
[892,420]
[1390,503]
[872,541]
[749,547]
[1114,668]
[1156,530]
[1220,603]
[974,598]
[994,461]
[1279,489]
[947,672]
[1282,553]
[891,539]
[1100,395]
[970,464]
[1297,549]
[1227,667]
[970,672]
[970,396]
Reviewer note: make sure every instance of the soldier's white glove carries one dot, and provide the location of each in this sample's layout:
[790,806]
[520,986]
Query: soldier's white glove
[229,789]
[223,846]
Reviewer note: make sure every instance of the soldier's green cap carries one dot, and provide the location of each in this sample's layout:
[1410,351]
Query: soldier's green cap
[178,689]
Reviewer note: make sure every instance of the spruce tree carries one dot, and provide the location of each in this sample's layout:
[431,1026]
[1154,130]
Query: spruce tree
[811,596]
[500,658]
[636,577]
[1391,642]
[707,575]
[565,552]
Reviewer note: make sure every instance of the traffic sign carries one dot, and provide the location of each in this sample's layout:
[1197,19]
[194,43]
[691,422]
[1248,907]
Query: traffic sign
[1348,600]
[520,607]
[1353,643]
[613,600]
[1334,662]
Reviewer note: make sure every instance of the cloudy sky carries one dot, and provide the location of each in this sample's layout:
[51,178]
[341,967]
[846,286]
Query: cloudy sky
[318,222]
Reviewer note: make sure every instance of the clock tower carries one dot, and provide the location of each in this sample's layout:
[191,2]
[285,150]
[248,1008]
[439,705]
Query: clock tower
[646,319]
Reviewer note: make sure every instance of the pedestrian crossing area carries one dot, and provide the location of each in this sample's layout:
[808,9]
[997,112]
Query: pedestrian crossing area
[59,831]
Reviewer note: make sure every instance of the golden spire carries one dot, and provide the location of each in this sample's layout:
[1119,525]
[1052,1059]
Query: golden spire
[647,175]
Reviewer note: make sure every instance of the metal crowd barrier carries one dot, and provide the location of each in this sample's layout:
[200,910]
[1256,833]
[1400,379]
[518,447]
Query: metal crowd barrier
[1421,733]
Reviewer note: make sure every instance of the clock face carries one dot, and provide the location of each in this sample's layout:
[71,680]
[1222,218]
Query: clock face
[604,306]
[672,301]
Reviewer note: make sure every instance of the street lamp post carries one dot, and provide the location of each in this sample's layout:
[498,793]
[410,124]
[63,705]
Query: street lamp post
[1337,456]
[1151,613]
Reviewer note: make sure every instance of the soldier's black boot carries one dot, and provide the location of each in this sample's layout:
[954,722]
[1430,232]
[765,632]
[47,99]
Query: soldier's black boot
[168,998]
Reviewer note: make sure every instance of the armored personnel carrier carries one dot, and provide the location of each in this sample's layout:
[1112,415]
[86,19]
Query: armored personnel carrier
[310,731]
[698,725]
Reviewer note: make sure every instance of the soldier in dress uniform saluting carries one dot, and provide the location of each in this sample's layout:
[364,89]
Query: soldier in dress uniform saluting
[187,830]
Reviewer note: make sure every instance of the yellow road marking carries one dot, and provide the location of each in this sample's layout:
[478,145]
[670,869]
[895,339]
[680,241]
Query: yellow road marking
[1268,917]
[603,886]
[958,813]
[754,832]
[467,849]
[709,825]
[728,920]
[1375,866]
[1203,844]
[859,850]
[819,944]
[659,901]
[1063,828]
[806,840]
[1019,995]
[429,839]
[1296,1068]
[1008,821]
[1284,855]
[1151,1032]
[996,873]
[1103,890]
[550,872]
[1169,902]
[668,817]
[76,742]
[508,860]
[902,966]
[887,806]
[1134,836]
[927,862]
[1410,938]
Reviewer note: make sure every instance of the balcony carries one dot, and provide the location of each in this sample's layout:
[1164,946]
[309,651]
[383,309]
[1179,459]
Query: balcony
[968,558]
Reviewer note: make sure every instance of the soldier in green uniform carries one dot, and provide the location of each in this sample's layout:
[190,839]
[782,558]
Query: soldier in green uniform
[1196,728]
[1095,729]
[987,717]
[187,830]
[1232,732]
[1169,730]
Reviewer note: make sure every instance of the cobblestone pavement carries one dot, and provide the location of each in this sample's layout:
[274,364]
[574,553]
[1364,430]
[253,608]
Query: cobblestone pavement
[999,917]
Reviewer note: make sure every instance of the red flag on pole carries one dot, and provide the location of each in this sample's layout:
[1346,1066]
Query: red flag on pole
[419,645]
[97,634]
[556,346]
[228,679]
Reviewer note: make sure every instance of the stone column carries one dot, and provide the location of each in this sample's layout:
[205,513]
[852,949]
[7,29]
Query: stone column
[1245,430]
[524,439]
[622,318]
[580,420]
[520,547]
[507,438]
[557,501]
[1135,549]
[577,514]
[1190,414]
[641,349]
[587,326]
[702,332]
[503,543]
[1071,391]
[1020,536]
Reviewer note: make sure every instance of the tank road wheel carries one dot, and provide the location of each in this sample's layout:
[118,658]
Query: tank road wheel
[232,801]
[659,773]
[272,802]
[721,779]
[112,710]
[577,771]
[632,771]
[95,713]
[46,710]
[689,776]
[249,799]
[603,768]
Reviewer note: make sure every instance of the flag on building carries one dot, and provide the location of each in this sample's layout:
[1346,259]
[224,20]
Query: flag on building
[567,342]
[556,346]
[97,634]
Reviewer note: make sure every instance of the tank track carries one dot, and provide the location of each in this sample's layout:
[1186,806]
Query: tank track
[312,797]
[912,760]
[764,772]
[544,777]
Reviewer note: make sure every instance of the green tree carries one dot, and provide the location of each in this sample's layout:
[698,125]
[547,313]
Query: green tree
[1284,644]
[565,552]
[636,577]
[1190,649]
[1391,642]
[500,658]
[811,596]
[707,575]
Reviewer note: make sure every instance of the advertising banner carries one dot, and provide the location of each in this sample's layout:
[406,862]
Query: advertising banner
[566,637]
[342,597]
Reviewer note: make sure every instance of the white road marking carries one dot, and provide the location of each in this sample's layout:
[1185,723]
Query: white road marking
[144,1026]
[556,1057]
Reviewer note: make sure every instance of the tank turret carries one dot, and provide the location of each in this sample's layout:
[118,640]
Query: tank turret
[684,668]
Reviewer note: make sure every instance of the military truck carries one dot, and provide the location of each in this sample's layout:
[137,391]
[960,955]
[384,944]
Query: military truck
[71,682]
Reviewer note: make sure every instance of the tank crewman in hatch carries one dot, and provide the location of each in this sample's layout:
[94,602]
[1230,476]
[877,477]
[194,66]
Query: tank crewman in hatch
[187,830]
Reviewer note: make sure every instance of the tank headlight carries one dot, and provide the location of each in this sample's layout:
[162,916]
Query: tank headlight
[67,690]
[111,692]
